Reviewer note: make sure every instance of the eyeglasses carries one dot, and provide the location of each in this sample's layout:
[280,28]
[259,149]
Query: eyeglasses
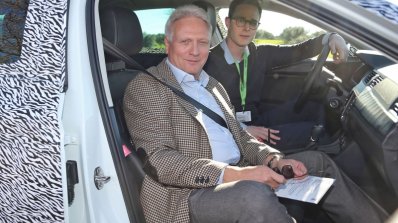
[240,22]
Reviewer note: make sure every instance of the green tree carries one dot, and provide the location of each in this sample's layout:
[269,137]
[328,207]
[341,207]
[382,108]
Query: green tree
[149,40]
[263,34]
[160,38]
[315,34]
[154,41]
[293,35]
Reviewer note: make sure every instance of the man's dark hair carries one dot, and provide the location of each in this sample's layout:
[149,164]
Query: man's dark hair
[236,3]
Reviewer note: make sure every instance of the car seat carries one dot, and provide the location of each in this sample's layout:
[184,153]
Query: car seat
[121,27]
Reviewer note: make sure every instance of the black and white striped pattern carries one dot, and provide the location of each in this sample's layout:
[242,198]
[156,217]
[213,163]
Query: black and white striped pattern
[30,162]
[384,8]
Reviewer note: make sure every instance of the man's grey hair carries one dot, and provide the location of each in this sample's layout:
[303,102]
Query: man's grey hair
[183,12]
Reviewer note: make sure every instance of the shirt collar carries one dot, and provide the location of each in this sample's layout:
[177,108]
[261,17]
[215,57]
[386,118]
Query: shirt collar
[227,53]
[183,77]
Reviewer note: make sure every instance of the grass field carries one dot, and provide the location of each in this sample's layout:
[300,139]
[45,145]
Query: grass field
[268,41]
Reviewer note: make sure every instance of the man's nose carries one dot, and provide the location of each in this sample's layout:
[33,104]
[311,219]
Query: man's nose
[195,48]
[246,26]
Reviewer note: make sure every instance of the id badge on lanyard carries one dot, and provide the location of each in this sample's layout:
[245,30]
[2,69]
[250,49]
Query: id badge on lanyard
[243,116]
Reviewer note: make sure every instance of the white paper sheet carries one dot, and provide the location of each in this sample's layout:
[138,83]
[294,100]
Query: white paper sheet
[310,189]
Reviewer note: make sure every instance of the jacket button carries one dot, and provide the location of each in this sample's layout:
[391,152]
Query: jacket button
[202,179]
[207,180]
[197,180]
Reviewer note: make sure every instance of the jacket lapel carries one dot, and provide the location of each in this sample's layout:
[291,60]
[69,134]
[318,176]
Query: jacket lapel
[167,76]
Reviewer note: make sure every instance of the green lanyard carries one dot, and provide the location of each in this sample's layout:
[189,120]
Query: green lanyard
[243,80]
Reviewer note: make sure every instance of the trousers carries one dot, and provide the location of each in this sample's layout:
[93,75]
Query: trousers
[294,128]
[255,202]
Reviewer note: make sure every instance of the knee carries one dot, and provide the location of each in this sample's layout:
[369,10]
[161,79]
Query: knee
[259,203]
[256,196]
[320,164]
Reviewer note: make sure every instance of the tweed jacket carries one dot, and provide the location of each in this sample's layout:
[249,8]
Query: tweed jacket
[178,153]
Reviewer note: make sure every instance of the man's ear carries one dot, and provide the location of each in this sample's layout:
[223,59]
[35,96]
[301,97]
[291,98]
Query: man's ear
[166,43]
[227,21]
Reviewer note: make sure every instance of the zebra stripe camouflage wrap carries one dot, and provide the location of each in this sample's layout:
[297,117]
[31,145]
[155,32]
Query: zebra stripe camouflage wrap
[30,134]
[384,8]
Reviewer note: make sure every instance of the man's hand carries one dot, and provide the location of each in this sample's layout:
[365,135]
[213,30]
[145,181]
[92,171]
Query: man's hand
[261,174]
[299,169]
[262,133]
[338,48]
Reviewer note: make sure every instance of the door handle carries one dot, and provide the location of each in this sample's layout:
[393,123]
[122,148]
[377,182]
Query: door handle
[99,178]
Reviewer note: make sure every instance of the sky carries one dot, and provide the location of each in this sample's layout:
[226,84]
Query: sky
[275,23]
[153,21]
[151,25]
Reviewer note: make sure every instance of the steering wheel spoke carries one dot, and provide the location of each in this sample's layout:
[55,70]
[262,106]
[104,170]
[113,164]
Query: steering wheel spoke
[311,77]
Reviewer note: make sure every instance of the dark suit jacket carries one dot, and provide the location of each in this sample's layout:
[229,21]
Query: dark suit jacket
[179,157]
[261,61]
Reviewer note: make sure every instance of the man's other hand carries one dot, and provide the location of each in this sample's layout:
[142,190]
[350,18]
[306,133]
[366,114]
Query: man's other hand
[338,48]
[262,133]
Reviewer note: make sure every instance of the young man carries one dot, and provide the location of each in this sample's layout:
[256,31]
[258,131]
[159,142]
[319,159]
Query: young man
[199,171]
[240,66]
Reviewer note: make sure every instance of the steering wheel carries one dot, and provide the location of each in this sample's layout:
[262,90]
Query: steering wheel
[311,77]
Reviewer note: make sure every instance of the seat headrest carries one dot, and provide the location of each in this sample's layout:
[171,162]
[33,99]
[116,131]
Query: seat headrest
[211,12]
[121,27]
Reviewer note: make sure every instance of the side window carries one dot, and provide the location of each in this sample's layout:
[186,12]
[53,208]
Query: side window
[12,23]
[276,28]
[153,22]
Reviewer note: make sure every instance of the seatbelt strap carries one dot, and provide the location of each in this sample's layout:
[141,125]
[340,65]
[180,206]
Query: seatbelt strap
[116,52]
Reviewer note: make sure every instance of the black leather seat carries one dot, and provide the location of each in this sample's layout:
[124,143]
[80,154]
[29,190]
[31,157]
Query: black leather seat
[211,12]
[121,27]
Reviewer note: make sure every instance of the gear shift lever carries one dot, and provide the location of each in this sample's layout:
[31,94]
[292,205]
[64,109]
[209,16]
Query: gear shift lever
[316,133]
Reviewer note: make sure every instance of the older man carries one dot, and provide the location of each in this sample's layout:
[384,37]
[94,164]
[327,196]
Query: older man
[199,171]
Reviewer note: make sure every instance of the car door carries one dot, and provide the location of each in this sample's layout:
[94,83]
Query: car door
[55,159]
[88,141]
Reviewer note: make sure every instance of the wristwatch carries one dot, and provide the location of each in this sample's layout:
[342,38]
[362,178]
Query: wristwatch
[271,161]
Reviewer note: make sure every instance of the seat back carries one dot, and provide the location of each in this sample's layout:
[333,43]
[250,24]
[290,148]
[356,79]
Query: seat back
[210,10]
[121,27]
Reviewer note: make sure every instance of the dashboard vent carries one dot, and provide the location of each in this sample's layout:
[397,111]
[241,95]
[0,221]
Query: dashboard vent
[375,80]
[369,77]
[394,107]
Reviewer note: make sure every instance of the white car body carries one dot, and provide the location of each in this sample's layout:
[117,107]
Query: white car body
[62,47]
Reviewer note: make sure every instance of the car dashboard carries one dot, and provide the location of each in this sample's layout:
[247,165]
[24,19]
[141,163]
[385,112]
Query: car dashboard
[376,98]
[370,116]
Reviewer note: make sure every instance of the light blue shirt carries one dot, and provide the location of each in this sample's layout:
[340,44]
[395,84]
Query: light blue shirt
[223,146]
[227,53]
